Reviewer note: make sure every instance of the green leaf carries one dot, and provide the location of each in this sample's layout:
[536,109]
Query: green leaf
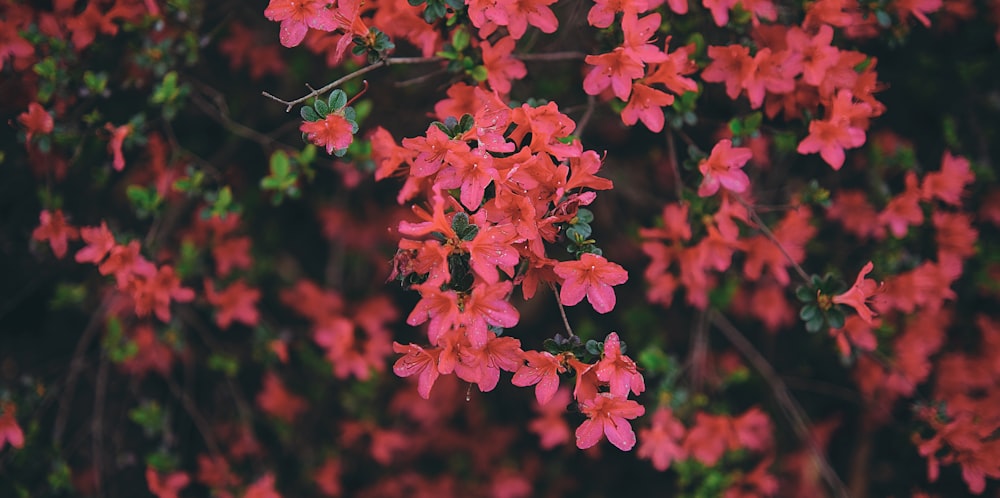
[584,215]
[595,348]
[836,318]
[805,294]
[350,114]
[578,233]
[551,346]
[279,164]
[736,127]
[338,99]
[465,124]
[752,122]
[321,108]
[815,325]
[309,114]
[808,312]
[460,40]
[479,73]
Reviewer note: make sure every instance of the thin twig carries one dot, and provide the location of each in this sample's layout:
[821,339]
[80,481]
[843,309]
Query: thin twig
[791,409]
[675,164]
[551,56]
[340,81]
[699,351]
[199,420]
[420,79]
[75,366]
[770,235]
[97,425]
[562,310]
[591,104]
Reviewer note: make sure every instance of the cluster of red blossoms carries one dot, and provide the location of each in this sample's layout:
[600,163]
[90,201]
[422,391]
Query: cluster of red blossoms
[496,201]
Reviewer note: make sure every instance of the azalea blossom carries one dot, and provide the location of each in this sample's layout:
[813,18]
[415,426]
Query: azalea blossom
[333,132]
[592,276]
[724,168]
[609,416]
[297,16]
[857,296]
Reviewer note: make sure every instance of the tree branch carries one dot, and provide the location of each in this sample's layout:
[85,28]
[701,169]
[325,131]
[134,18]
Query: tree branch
[791,409]
[367,69]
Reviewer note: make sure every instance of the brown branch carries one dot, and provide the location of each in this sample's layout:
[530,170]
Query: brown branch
[789,407]
[199,420]
[97,425]
[770,235]
[675,164]
[336,83]
[591,104]
[551,56]
[562,311]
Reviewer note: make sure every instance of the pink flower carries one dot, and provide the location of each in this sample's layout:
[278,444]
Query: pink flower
[591,276]
[724,167]
[646,105]
[99,241]
[167,487]
[661,442]
[608,415]
[10,432]
[54,228]
[420,362]
[297,16]
[859,293]
[333,132]
[619,370]
[541,369]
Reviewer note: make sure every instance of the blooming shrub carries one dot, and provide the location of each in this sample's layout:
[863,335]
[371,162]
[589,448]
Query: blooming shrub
[751,245]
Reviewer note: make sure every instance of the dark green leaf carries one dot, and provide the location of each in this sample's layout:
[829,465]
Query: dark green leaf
[321,108]
[338,99]
[808,312]
[309,114]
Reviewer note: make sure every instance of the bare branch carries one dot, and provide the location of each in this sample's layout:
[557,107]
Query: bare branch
[340,81]
[770,235]
[789,407]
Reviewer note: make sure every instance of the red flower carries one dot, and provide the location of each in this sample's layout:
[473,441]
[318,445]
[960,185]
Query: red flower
[53,228]
[118,135]
[297,16]
[100,241]
[275,399]
[327,477]
[551,424]
[646,104]
[947,185]
[619,370]
[591,276]
[263,487]
[904,209]
[501,67]
[417,361]
[35,119]
[608,415]
[169,486]
[661,442]
[486,305]
[10,432]
[616,69]
[724,167]
[541,369]
[334,132]
[238,302]
[857,296]
[155,293]
[840,130]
